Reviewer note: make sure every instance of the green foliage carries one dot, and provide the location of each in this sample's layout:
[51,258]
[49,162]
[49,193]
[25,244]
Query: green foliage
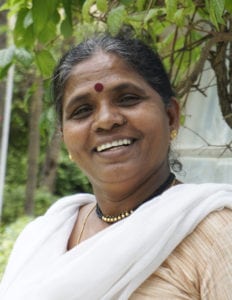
[39,24]
[12,55]
[102,5]
[140,4]
[23,56]
[70,179]
[23,31]
[115,19]
[45,62]
[66,28]
[8,235]
[171,8]
[13,206]
[6,56]
[86,10]
[43,200]
[216,8]
[43,30]
[228,6]
[41,14]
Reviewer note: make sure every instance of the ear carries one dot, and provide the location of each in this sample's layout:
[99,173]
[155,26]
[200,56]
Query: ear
[173,112]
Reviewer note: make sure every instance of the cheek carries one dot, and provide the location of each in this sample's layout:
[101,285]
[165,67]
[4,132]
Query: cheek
[76,138]
[71,138]
[158,134]
[156,124]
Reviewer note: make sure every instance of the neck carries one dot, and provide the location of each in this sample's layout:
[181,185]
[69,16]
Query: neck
[126,196]
[115,218]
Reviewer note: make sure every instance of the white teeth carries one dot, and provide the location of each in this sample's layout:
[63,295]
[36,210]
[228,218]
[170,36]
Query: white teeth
[114,144]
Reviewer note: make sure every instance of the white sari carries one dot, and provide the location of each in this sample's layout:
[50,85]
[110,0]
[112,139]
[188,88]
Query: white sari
[113,263]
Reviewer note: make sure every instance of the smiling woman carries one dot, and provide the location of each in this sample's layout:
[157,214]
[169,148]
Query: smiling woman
[126,121]
[143,234]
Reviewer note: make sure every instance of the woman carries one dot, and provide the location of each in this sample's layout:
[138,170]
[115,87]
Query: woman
[143,235]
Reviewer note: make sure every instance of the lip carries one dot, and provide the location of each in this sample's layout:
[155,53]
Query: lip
[114,140]
[115,153]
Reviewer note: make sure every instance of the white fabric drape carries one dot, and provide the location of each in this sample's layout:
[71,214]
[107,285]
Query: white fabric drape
[114,262]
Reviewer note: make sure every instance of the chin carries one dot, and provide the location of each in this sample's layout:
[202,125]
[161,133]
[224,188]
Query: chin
[122,176]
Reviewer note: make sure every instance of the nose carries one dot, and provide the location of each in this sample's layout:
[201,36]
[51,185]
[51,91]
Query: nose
[108,117]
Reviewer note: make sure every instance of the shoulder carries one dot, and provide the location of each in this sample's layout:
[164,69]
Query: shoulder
[70,202]
[206,255]
[201,259]
[214,226]
[208,236]
[216,276]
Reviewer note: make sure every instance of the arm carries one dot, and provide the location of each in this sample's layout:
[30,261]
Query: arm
[217,277]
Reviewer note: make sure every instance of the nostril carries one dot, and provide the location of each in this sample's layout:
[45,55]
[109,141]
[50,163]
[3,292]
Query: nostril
[108,119]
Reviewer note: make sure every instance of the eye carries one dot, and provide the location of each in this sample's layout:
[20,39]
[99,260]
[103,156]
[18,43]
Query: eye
[82,112]
[129,100]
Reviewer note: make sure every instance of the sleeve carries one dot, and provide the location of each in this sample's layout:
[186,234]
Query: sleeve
[217,276]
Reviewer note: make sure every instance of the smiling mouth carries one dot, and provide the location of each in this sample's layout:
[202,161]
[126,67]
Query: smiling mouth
[114,144]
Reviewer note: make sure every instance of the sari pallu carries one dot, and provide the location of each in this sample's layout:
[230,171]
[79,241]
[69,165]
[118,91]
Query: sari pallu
[113,263]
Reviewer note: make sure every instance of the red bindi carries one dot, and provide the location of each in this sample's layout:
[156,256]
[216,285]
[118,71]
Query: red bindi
[99,87]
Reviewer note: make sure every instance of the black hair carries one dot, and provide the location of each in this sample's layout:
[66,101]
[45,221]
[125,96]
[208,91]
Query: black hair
[134,52]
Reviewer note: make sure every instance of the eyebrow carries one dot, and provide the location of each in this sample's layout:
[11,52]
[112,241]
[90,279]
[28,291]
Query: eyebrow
[126,85]
[118,88]
[76,99]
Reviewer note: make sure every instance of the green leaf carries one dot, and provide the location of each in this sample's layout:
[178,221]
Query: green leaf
[115,19]
[228,5]
[137,17]
[140,4]
[171,8]
[188,6]
[48,33]
[23,56]
[67,4]
[19,28]
[13,6]
[156,28]
[66,28]
[6,56]
[4,71]
[39,14]
[218,6]
[216,9]
[179,17]
[86,10]
[24,37]
[102,5]
[55,17]
[45,62]
[28,20]
[126,2]
[151,14]
[164,45]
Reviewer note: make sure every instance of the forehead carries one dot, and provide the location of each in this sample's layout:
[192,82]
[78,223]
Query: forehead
[99,66]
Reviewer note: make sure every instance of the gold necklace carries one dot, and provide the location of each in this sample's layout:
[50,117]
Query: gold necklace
[169,182]
[84,223]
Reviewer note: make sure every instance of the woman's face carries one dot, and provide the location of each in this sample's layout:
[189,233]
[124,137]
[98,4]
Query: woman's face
[115,126]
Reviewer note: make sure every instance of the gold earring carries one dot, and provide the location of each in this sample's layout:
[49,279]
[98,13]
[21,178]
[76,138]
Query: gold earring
[173,134]
[70,157]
